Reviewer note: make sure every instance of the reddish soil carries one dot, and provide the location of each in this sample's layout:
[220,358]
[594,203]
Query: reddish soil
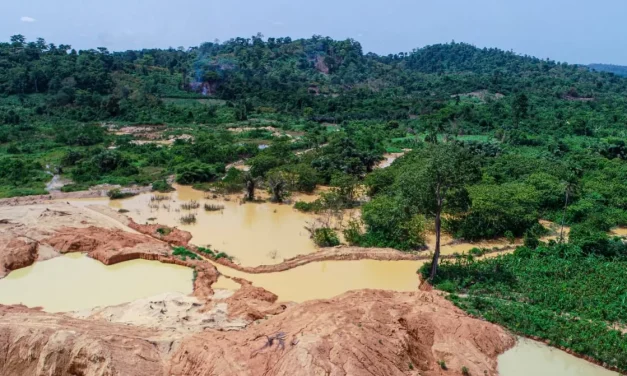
[359,333]
[16,253]
[168,234]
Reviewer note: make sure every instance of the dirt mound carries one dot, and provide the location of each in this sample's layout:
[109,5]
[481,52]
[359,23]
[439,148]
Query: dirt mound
[359,333]
[16,253]
[253,303]
[165,233]
[36,343]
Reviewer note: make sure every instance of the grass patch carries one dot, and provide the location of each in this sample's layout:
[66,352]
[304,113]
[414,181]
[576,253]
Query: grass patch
[183,253]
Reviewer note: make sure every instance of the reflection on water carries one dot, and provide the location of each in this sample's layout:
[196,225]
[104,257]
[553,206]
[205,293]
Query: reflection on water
[255,234]
[323,280]
[75,281]
[534,358]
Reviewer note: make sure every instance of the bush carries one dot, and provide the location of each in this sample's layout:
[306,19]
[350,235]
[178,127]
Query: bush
[325,237]
[164,231]
[195,172]
[308,207]
[206,251]
[183,253]
[497,210]
[223,255]
[592,241]
[116,194]
[389,225]
[353,233]
[162,186]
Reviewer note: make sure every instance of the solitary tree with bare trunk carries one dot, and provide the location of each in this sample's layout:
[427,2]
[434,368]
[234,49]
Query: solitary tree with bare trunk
[438,186]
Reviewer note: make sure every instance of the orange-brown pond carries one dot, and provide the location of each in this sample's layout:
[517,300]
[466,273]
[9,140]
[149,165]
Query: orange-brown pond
[75,281]
[252,233]
[322,280]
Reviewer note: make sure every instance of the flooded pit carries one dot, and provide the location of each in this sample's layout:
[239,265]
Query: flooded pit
[534,358]
[326,279]
[253,233]
[74,282]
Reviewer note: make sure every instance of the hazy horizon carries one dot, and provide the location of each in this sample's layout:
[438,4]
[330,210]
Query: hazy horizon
[558,30]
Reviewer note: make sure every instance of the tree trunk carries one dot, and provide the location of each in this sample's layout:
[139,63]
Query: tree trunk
[250,188]
[436,254]
[561,239]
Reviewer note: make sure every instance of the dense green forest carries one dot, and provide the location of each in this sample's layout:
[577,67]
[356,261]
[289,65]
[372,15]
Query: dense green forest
[619,70]
[495,141]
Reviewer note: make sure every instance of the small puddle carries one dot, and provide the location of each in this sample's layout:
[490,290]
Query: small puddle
[326,279]
[74,282]
[534,358]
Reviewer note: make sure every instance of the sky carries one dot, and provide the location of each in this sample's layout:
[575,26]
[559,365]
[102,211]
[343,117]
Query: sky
[575,31]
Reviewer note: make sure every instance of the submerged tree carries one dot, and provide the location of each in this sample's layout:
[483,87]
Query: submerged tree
[251,183]
[438,184]
[278,184]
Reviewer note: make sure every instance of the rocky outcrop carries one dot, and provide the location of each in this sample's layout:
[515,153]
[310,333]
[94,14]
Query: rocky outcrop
[359,333]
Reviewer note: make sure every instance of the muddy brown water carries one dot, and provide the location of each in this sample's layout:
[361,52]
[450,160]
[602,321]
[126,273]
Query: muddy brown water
[326,279]
[534,358]
[75,282]
[253,233]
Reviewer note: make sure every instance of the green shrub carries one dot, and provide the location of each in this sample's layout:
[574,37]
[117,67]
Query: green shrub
[183,253]
[116,194]
[164,231]
[162,186]
[206,251]
[325,237]
[353,233]
[308,207]
[223,255]
[195,172]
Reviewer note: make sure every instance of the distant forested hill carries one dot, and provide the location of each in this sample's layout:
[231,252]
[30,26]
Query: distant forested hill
[329,79]
[620,70]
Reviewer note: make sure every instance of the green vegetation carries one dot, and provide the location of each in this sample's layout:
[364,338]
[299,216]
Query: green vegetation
[164,231]
[498,141]
[116,194]
[162,186]
[325,237]
[559,292]
[183,253]
[223,255]
[206,251]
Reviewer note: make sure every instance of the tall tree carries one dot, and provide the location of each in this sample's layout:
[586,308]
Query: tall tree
[437,184]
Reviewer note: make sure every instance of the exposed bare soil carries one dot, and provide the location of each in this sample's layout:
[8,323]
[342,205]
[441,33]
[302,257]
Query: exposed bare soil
[365,332]
[359,333]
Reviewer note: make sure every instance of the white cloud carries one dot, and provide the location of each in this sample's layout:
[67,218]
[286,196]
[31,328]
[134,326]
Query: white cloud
[27,19]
